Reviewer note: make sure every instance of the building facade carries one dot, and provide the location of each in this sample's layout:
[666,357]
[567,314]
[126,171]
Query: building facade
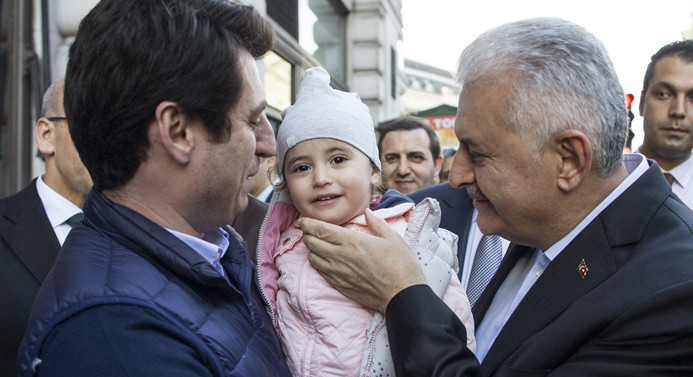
[357,41]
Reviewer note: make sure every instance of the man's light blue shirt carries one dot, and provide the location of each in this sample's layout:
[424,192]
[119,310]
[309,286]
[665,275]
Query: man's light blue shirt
[212,246]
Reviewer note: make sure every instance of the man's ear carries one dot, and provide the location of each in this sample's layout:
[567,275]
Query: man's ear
[174,131]
[45,136]
[375,175]
[575,158]
[438,163]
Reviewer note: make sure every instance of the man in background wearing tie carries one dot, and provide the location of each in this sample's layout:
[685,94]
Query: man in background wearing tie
[35,222]
[666,105]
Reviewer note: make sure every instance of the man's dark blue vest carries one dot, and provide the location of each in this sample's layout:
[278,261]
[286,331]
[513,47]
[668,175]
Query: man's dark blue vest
[119,257]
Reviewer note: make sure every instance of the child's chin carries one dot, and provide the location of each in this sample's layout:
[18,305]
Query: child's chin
[333,220]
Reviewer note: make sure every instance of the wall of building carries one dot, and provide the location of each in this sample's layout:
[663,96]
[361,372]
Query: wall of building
[427,87]
[364,58]
[375,32]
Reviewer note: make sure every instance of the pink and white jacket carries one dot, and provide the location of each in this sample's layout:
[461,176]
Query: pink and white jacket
[324,333]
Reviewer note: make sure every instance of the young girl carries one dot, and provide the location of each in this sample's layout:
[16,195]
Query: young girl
[328,160]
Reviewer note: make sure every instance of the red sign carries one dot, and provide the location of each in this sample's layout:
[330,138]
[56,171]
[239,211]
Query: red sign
[441,122]
[445,129]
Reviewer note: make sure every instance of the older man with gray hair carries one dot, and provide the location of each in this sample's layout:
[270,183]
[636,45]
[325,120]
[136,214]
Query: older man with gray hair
[599,280]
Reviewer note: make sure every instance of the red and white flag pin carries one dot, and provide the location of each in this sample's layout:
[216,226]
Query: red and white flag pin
[582,269]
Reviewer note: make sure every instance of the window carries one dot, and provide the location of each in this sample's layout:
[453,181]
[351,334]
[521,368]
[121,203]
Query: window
[277,81]
[321,33]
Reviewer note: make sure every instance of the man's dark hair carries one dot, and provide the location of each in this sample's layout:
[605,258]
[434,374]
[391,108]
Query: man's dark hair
[680,49]
[409,123]
[130,55]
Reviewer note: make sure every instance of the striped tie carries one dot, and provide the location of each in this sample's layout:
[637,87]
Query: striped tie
[486,261]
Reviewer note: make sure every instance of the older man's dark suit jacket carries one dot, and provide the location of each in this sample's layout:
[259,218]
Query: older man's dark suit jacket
[456,212]
[631,314]
[28,248]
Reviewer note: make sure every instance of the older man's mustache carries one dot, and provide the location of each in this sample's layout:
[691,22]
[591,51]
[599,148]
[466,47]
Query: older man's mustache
[475,193]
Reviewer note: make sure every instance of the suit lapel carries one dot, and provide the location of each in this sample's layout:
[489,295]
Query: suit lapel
[561,285]
[30,236]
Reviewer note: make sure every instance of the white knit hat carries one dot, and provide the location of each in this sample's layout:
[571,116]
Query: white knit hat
[321,111]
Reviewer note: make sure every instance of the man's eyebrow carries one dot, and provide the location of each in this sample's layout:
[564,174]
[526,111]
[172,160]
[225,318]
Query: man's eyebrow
[259,108]
[667,85]
[416,153]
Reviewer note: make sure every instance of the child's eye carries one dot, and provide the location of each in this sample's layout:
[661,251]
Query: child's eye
[301,168]
[339,160]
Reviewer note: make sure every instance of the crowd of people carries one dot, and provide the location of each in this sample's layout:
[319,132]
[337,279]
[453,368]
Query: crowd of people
[538,247]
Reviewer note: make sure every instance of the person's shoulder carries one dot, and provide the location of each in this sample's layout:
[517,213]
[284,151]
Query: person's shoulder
[438,191]
[27,192]
[255,210]
[657,204]
[257,204]
[680,210]
[19,203]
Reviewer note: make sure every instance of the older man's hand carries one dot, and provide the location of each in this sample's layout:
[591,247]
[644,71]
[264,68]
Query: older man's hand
[369,269]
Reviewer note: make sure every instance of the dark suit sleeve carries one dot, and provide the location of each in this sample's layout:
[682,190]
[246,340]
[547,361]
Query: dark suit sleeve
[119,340]
[426,337]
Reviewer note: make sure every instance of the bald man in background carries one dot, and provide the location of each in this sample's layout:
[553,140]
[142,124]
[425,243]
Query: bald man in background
[35,222]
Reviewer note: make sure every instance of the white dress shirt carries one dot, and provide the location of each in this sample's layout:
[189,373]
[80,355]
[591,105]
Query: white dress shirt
[264,195]
[58,209]
[683,181]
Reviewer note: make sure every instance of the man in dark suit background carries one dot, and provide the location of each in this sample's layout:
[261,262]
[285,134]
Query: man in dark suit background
[456,211]
[604,283]
[34,223]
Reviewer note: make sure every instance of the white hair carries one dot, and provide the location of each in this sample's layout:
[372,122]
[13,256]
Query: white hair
[562,79]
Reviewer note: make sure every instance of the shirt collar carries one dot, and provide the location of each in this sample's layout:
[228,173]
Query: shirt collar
[212,246]
[58,209]
[636,165]
[683,171]
[265,193]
